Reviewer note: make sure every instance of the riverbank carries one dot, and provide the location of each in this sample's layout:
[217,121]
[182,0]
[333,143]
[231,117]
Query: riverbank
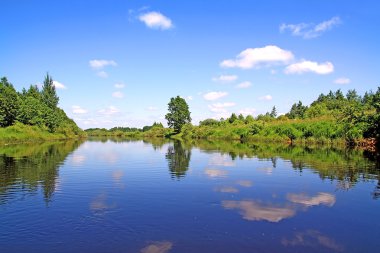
[20,133]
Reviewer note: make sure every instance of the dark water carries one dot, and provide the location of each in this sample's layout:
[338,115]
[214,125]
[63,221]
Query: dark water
[157,197]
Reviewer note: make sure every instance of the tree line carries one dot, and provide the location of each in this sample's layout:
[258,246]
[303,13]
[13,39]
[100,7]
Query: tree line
[35,107]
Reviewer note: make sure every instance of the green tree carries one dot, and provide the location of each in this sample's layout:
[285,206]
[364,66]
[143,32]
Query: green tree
[49,95]
[233,118]
[9,103]
[178,114]
[273,113]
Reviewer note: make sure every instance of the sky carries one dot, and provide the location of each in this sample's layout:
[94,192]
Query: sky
[118,63]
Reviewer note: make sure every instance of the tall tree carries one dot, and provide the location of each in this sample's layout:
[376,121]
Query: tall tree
[178,114]
[9,103]
[273,113]
[49,95]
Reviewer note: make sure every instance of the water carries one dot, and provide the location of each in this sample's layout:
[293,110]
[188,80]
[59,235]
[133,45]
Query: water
[157,197]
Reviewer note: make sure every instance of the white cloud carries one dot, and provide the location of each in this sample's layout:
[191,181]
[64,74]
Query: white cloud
[266,97]
[102,74]
[118,94]
[110,110]
[99,64]
[119,85]
[253,57]
[156,20]
[220,107]
[309,31]
[225,78]
[76,109]
[244,85]
[310,66]
[247,111]
[214,95]
[152,108]
[342,80]
[59,85]
[189,98]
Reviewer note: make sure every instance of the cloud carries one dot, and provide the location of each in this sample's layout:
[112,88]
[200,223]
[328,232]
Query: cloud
[220,107]
[100,204]
[110,110]
[152,108]
[247,111]
[214,95]
[118,94]
[119,85]
[158,247]
[254,57]
[225,78]
[310,30]
[244,85]
[310,66]
[321,198]
[59,85]
[221,160]
[256,211]
[99,64]
[216,173]
[156,20]
[189,98]
[76,109]
[266,98]
[342,80]
[102,74]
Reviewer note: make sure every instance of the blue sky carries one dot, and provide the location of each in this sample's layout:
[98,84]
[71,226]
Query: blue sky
[117,63]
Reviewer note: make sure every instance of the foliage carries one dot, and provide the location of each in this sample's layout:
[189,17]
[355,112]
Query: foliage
[178,114]
[36,112]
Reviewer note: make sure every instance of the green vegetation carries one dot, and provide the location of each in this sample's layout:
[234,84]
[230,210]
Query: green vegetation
[331,119]
[178,114]
[33,114]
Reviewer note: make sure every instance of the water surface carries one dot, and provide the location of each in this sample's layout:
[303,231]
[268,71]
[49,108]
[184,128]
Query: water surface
[156,197]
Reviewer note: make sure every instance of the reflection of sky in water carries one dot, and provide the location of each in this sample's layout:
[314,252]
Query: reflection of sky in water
[158,247]
[214,173]
[121,198]
[256,211]
[313,239]
[221,160]
[322,198]
[227,189]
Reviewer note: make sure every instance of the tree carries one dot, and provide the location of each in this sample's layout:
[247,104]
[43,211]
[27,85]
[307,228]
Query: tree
[179,113]
[233,118]
[9,103]
[273,113]
[48,92]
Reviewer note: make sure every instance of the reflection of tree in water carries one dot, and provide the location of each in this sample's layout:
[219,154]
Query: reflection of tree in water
[27,167]
[346,166]
[178,158]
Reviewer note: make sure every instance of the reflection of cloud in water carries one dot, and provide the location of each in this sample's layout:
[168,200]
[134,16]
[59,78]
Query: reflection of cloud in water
[158,247]
[117,176]
[245,183]
[312,238]
[267,171]
[227,189]
[255,211]
[99,204]
[216,173]
[221,160]
[321,198]
[78,159]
